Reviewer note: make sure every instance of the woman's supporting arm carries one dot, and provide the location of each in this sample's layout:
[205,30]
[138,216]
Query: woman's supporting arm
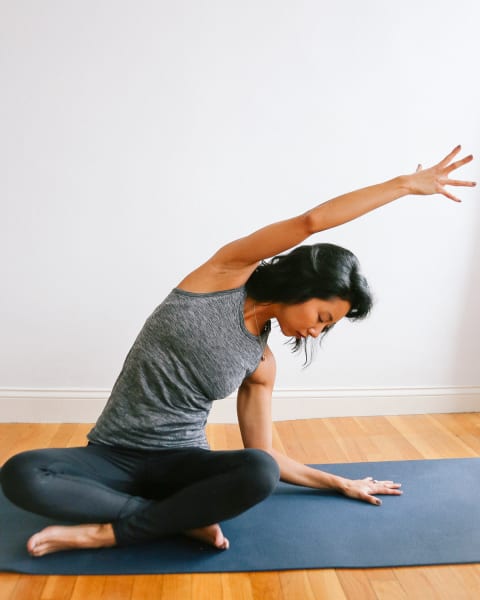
[254,417]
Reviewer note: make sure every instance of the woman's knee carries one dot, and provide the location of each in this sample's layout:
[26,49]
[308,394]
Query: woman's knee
[263,471]
[20,477]
[10,475]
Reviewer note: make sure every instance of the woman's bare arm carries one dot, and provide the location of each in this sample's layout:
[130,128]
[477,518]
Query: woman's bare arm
[281,236]
[254,417]
[233,263]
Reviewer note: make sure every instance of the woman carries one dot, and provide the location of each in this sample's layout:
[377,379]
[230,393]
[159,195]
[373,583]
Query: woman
[147,471]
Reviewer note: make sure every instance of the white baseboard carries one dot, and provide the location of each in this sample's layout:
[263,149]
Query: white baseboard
[84,405]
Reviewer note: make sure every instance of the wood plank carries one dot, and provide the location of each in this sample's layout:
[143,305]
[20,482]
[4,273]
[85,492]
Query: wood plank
[447,583]
[290,442]
[88,586]
[464,426]
[29,437]
[147,587]
[454,446]
[233,437]
[119,587]
[58,587]
[177,586]
[469,576]
[29,586]
[353,441]
[9,434]
[326,584]
[277,442]
[8,582]
[389,441]
[63,435]
[79,435]
[296,584]
[417,583]
[385,584]
[236,586]
[356,584]
[430,438]
[266,585]
[206,586]
[217,437]
[319,443]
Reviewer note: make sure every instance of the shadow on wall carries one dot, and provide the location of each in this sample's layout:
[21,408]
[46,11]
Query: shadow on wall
[466,361]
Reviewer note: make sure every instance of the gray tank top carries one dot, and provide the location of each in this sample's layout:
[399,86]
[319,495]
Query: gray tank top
[193,349]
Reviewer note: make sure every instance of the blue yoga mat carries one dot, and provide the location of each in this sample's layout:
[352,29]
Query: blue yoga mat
[436,521]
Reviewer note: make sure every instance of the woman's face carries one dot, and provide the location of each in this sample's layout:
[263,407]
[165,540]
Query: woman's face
[310,318]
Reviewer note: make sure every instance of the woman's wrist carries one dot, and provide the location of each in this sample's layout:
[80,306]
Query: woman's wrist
[405,184]
[340,484]
[330,482]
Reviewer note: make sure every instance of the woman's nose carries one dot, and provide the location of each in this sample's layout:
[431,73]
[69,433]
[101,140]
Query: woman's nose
[315,331]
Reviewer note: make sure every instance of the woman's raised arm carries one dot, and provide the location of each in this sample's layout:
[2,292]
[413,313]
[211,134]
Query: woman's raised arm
[279,237]
[233,263]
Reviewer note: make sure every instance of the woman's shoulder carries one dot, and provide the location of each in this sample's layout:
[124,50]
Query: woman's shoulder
[211,278]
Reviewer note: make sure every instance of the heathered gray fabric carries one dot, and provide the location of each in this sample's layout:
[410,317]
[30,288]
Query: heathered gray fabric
[193,349]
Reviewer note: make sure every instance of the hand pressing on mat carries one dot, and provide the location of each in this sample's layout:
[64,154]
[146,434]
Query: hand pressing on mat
[363,489]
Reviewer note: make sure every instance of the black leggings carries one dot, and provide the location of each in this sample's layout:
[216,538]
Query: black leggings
[144,494]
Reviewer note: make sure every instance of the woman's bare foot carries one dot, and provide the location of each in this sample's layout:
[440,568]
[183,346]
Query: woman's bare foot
[57,537]
[212,535]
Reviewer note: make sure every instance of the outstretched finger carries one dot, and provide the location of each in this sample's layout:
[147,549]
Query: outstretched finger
[389,491]
[447,181]
[449,157]
[458,163]
[387,487]
[449,195]
[390,484]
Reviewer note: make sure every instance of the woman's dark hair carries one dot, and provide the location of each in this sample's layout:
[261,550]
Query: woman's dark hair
[322,271]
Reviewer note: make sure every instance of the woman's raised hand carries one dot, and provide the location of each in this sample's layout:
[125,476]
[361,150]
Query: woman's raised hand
[434,179]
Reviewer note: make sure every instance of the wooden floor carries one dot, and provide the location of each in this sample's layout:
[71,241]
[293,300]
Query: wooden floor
[315,441]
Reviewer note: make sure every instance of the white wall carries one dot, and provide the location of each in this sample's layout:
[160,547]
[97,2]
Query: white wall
[139,136]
